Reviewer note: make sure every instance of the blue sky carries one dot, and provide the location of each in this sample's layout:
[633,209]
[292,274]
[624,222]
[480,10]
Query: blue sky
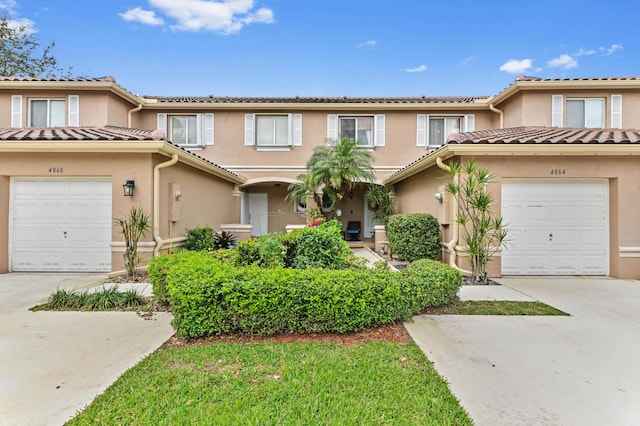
[333,47]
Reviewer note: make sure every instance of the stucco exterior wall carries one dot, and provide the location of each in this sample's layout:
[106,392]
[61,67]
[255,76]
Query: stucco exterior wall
[621,172]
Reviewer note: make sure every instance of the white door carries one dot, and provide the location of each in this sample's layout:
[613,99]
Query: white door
[556,228]
[369,221]
[258,213]
[61,225]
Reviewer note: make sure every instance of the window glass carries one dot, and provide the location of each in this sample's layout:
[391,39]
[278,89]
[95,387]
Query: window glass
[585,112]
[57,113]
[272,130]
[359,129]
[441,128]
[184,130]
[575,113]
[38,113]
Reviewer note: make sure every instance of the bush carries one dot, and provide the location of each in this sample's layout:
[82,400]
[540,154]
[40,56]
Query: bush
[200,238]
[158,270]
[414,236]
[209,297]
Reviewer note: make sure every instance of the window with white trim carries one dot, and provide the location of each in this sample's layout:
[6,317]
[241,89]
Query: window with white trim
[273,131]
[433,130]
[366,130]
[587,112]
[188,130]
[47,112]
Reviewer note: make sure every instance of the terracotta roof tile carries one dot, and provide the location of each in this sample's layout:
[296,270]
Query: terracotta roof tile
[324,100]
[65,79]
[107,133]
[547,135]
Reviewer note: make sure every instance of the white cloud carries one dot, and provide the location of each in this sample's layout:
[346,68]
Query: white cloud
[468,60]
[7,4]
[223,16]
[368,43]
[584,52]
[563,61]
[609,50]
[137,14]
[515,66]
[420,68]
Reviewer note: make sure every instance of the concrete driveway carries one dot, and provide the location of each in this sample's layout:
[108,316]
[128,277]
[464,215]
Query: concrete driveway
[52,364]
[577,370]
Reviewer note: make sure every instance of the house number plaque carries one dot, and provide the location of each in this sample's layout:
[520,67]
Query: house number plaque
[558,172]
[56,170]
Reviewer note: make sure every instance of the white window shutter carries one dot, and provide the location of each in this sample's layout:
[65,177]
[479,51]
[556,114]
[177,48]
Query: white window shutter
[297,129]
[74,111]
[248,129]
[616,111]
[379,124]
[332,127]
[162,125]
[556,110]
[421,139]
[470,123]
[207,129]
[16,111]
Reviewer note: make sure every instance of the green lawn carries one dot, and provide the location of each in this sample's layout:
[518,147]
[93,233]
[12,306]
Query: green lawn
[302,383]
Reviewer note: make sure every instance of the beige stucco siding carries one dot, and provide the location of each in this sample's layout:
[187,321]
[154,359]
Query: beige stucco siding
[621,172]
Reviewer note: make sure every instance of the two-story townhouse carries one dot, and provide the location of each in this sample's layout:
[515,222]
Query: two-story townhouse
[255,147]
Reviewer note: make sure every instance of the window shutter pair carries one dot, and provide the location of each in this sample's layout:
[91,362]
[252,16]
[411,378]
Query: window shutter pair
[422,131]
[295,129]
[379,128]
[205,123]
[557,103]
[73,111]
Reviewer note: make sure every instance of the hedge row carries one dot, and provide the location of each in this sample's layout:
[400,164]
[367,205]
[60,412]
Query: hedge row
[209,297]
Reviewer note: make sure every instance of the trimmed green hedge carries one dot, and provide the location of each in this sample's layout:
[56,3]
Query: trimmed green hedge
[414,236]
[209,297]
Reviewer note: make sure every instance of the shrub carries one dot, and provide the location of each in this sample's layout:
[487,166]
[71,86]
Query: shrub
[224,240]
[414,236]
[200,238]
[209,297]
[158,270]
[320,247]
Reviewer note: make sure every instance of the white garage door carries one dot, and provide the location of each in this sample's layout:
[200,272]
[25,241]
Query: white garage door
[61,225]
[556,228]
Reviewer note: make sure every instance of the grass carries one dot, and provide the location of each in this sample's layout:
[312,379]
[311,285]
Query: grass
[106,299]
[496,307]
[302,383]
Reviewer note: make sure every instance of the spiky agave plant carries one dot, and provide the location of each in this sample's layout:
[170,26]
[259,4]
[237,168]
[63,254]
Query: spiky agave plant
[133,227]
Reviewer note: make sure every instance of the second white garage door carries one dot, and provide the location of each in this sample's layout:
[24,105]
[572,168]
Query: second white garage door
[61,225]
[556,228]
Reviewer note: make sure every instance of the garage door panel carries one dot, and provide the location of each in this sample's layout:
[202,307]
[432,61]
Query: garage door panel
[556,228]
[61,225]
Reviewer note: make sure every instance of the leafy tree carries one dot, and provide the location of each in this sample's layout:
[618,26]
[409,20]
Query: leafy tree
[21,54]
[332,171]
[482,229]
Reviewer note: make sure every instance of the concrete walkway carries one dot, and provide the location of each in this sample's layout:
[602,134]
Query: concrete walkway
[577,370]
[52,364]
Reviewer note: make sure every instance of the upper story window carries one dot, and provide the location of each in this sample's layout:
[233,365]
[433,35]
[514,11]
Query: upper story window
[273,132]
[433,130]
[366,130]
[45,112]
[188,130]
[585,112]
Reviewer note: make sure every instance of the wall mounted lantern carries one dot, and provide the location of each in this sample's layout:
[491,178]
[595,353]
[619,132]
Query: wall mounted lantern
[128,188]
[438,196]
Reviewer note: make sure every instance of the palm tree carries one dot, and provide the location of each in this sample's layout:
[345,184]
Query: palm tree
[334,170]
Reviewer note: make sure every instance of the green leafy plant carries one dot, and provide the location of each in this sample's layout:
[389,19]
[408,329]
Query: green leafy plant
[380,201]
[200,238]
[414,236]
[483,230]
[104,299]
[133,227]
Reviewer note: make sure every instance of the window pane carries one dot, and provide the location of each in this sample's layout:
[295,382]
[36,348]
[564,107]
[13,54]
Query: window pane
[38,113]
[365,127]
[452,125]
[57,113]
[281,130]
[594,113]
[179,130]
[192,130]
[575,113]
[265,130]
[348,128]
[436,131]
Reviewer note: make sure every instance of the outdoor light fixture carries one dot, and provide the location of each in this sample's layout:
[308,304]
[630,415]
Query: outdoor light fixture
[128,188]
[351,194]
[438,196]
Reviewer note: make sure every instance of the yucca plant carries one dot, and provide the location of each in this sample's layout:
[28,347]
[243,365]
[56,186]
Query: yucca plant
[224,240]
[133,227]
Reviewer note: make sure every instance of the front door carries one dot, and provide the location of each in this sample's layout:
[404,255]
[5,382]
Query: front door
[258,213]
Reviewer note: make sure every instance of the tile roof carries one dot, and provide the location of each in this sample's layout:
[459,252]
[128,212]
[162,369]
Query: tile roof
[63,79]
[324,100]
[619,78]
[547,135]
[107,133]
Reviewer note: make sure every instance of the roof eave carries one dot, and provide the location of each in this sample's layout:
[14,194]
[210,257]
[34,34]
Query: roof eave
[320,106]
[72,85]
